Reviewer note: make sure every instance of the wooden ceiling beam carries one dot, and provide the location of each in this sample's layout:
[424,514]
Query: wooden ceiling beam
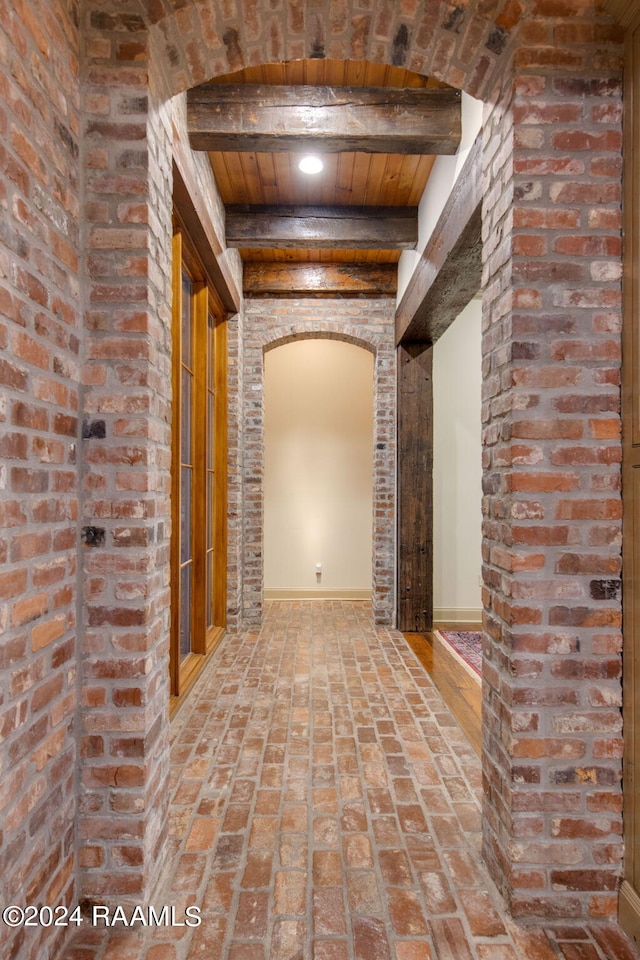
[265,118]
[449,273]
[321,228]
[315,279]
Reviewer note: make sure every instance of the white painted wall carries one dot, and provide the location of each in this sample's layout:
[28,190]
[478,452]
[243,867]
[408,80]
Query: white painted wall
[442,178]
[457,468]
[318,482]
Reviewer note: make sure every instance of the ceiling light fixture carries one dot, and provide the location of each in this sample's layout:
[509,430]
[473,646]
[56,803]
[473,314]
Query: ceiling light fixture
[311,164]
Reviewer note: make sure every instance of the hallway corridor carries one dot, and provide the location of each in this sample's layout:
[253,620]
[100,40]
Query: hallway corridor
[326,806]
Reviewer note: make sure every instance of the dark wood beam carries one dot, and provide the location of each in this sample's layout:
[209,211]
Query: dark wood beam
[261,117]
[314,279]
[192,206]
[449,272]
[322,228]
[415,488]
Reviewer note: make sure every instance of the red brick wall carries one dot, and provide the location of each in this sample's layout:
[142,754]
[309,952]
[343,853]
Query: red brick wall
[552,729]
[552,223]
[126,462]
[40,341]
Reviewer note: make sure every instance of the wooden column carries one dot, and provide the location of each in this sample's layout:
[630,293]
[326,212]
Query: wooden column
[415,487]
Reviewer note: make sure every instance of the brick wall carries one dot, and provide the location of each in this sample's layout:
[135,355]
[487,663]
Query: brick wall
[368,323]
[125,464]
[552,729]
[552,551]
[40,340]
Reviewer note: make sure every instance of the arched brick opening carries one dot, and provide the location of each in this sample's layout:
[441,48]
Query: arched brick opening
[375,334]
[549,73]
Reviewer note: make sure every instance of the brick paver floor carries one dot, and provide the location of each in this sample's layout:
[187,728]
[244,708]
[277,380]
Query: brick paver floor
[326,806]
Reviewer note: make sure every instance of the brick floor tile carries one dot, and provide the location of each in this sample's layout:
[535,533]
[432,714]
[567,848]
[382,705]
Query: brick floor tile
[531,944]
[569,932]
[405,912]
[350,788]
[294,818]
[496,951]
[203,833]
[228,851]
[328,911]
[211,806]
[380,800]
[354,817]
[448,831]
[161,951]
[385,831]
[237,817]
[436,891]
[267,802]
[370,939]
[189,872]
[363,895]
[326,831]
[327,868]
[449,939]
[357,850]
[412,819]
[330,950]
[578,951]
[293,850]
[613,943]
[325,806]
[463,868]
[469,815]
[257,872]
[246,951]
[484,920]
[219,893]
[288,940]
[207,942]
[251,918]
[263,833]
[290,892]
[422,853]
[412,950]
[395,868]
[187,791]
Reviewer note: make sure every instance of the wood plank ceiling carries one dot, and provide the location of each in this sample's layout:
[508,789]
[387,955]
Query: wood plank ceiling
[349,179]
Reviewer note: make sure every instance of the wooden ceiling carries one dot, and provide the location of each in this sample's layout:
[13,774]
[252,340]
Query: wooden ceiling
[349,179]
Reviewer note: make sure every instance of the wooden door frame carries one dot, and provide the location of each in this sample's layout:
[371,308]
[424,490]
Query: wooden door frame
[628,14]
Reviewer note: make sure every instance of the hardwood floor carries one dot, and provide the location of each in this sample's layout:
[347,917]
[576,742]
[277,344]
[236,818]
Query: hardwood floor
[461,691]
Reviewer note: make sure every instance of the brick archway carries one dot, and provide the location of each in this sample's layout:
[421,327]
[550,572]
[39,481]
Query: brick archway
[550,76]
[315,319]
[465,45]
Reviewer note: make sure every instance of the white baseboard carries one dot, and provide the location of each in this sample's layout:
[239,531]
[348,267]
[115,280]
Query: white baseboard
[272,593]
[460,618]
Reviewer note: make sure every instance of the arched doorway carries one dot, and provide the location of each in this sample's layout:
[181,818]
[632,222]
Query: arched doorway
[318,473]
[375,334]
[550,341]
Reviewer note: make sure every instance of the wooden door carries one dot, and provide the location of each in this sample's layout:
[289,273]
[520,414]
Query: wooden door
[199,454]
[630,892]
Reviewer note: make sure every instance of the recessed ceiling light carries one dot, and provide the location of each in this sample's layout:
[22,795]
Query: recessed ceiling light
[311,164]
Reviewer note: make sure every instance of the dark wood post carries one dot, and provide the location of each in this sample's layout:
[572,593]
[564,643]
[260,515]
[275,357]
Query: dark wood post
[415,487]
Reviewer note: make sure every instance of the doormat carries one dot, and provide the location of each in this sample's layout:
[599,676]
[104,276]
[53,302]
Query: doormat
[466,645]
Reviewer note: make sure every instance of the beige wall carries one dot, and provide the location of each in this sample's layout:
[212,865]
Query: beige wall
[439,185]
[457,469]
[318,469]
